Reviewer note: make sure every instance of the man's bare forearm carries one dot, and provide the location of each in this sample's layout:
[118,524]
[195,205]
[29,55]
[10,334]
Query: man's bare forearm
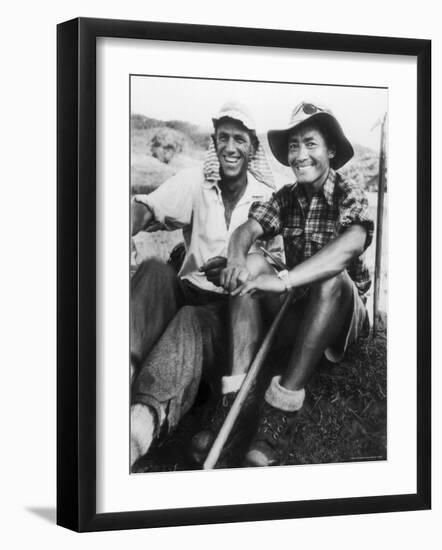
[330,260]
[141,216]
[236,273]
[241,241]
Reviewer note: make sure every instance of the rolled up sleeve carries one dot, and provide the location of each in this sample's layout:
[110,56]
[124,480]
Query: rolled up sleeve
[354,209]
[268,215]
[171,204]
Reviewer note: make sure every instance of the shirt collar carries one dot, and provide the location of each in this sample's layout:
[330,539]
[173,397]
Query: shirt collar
[209,183]
[327,189]
[254,189]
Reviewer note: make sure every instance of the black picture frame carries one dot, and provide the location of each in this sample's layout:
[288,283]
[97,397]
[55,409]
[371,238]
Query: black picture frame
[76,274]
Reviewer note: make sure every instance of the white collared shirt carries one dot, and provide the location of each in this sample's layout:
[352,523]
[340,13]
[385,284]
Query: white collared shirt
[190,202]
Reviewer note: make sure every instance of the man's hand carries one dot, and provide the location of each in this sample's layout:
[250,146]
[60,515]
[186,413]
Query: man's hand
[234,275]
[213,268]
[263,284]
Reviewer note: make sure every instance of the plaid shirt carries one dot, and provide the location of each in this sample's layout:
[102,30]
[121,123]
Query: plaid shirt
[306,229]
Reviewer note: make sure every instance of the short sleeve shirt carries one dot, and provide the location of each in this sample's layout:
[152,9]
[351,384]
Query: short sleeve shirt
[189,201]
[307,228]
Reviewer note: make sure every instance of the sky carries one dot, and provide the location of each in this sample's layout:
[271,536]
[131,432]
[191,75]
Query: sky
[197,100]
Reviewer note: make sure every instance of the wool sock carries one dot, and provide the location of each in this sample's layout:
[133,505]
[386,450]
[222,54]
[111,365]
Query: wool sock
[231,383]
[282,398]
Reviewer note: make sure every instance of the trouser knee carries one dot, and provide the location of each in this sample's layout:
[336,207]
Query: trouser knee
[153,273]
[155,297]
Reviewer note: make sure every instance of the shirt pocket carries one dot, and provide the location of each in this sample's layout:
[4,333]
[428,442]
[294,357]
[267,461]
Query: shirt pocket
[294,241]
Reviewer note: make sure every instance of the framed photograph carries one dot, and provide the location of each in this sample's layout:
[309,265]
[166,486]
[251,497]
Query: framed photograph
[243,274]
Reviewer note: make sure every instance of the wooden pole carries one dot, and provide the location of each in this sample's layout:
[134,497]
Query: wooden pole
[218,444]
[379,229]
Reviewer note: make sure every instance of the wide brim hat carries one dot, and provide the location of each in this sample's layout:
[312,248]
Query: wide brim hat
[308,113]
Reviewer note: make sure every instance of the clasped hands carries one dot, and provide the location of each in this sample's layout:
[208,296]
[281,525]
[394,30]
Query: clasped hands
[238,281]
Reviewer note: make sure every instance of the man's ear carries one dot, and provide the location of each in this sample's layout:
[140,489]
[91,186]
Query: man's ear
[213,137]
[331,153]
[255,145]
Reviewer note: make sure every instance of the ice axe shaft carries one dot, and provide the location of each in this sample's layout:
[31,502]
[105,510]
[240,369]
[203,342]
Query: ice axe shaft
[221,438]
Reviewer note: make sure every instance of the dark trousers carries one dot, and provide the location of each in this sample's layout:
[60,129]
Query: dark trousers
[178,332]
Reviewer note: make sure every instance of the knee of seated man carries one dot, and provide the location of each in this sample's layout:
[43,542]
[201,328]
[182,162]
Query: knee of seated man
[330,288]
[257,264]
[190,320]
[155,267]
[154,274]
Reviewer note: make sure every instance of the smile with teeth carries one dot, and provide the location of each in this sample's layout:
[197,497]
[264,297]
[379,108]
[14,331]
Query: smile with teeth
[231,160]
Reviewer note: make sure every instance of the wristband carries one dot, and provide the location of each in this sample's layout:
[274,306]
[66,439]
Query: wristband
[284,276]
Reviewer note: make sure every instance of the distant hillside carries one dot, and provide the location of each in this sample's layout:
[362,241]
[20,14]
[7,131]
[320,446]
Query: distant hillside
[160,148]
[198,137]
[363,167]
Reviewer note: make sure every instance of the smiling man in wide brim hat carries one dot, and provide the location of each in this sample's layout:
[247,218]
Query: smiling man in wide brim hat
[309,114]
[326,225]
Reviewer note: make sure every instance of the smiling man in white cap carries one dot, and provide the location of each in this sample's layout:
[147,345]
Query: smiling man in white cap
[178,322]
[326,226]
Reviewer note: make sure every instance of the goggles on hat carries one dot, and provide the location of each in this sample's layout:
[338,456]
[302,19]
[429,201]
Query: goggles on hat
[306,112]
[307,108]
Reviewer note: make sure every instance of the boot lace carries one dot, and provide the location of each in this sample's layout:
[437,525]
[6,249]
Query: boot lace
[274,422]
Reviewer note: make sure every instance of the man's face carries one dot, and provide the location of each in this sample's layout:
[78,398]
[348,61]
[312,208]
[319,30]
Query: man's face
[234,148]
[308,155]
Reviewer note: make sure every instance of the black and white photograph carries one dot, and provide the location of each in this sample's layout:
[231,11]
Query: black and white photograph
[258,273]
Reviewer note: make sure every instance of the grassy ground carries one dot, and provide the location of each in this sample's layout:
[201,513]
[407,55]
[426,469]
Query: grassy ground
[345,415]
[343,419]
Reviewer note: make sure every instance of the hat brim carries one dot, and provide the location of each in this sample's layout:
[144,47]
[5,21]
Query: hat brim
[278,139]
